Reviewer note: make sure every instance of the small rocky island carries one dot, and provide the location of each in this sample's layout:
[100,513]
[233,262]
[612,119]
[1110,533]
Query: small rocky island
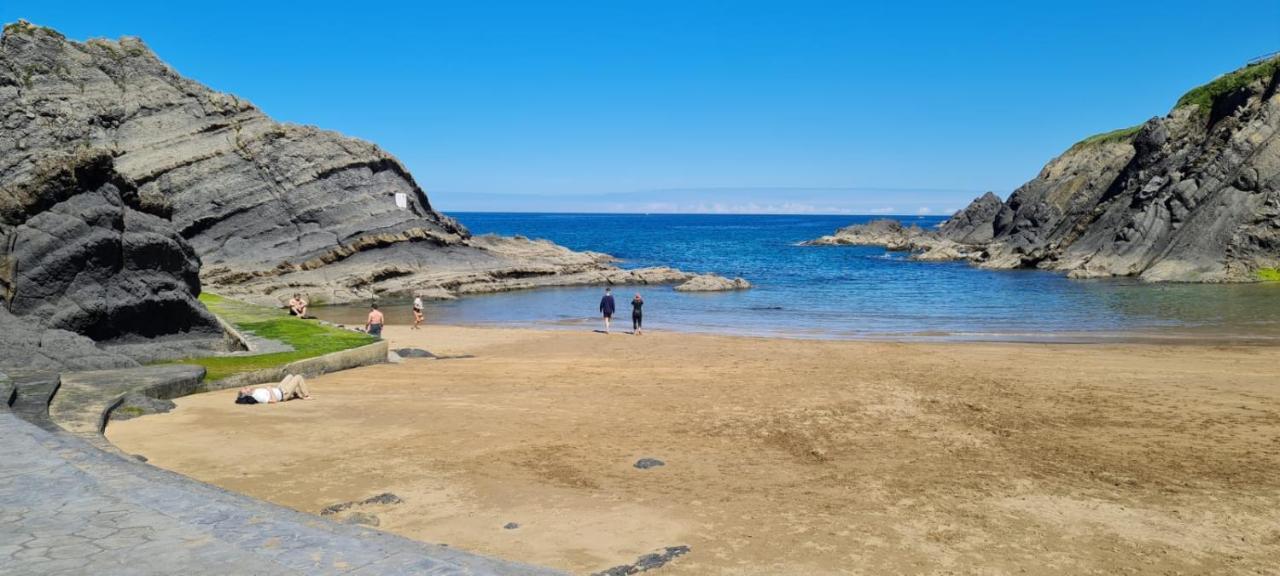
[1190,197]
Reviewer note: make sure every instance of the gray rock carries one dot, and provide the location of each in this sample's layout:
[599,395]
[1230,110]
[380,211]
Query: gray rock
[85,262]
[712,283]
[1190,197]
[271,209]
[647,463]
[647,562]
[414,353]
[135,405]
[885,232]
[386,498]
[510,526]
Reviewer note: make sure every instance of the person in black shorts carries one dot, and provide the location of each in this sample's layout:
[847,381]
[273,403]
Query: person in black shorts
[607,308]
[637,315]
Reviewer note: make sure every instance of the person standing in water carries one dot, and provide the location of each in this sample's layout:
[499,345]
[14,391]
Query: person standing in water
[607,308]
[637,315]
[417,313]
[373,325]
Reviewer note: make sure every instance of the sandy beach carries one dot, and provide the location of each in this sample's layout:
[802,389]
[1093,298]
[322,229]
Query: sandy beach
[781,456]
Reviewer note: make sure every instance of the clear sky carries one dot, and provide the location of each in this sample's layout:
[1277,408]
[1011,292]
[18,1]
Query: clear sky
[688,105]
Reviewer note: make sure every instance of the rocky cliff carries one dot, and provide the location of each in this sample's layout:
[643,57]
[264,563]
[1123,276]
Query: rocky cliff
[1192,196]
[89,270]
[269,208]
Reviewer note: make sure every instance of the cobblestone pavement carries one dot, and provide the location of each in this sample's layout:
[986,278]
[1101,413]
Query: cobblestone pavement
[69,507]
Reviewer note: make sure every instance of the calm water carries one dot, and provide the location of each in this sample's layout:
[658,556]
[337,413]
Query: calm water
[843,292]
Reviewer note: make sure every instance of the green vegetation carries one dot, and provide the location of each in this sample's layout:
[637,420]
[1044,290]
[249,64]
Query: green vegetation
[1121,135]
[24,27]
[308,337]
[132,411]
[1204,96]
[1268,274]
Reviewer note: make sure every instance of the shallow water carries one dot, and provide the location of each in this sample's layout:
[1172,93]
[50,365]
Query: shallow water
[841,292]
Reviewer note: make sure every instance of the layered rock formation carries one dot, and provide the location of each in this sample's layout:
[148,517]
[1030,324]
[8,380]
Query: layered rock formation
[89,270]
[1193,196]
[270,208]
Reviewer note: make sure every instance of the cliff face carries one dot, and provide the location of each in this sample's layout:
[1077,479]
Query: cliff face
[85,262]
[269,208]
[1193,196]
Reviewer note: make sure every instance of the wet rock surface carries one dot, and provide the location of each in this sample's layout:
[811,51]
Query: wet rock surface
[647,562]
[386,498]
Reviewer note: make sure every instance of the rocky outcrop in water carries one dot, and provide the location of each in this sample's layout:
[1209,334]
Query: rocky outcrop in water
[1192,197]
[270,208]
[712,283]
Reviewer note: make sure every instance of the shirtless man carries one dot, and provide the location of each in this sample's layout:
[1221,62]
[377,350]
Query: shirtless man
[374,324]
[298,306]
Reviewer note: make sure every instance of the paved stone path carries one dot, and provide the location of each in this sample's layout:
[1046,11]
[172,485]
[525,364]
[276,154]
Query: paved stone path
[70,507]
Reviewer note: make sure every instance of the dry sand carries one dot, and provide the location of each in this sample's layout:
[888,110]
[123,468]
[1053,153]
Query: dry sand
[782,456]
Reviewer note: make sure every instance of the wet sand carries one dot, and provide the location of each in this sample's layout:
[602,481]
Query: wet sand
[782,456]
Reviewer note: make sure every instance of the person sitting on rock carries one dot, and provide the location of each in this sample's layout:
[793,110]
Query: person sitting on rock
[298,306]
[293,386]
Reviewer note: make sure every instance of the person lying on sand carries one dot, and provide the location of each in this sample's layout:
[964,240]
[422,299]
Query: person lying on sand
[293,386]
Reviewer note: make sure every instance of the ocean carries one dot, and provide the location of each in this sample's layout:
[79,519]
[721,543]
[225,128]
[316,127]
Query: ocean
[843,291]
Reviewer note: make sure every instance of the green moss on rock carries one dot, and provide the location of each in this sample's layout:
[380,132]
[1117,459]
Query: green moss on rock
[1268,274]
[307,337]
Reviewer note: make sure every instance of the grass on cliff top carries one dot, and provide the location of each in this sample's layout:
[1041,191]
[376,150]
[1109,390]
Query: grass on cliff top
[1204,96]
[1268,274]
[1121,135]
[308,337]
[24,27]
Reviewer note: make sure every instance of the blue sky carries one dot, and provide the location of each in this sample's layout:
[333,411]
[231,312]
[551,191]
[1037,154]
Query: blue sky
[614,105]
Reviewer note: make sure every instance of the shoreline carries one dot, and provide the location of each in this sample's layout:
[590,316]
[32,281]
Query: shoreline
[781,456]
[1153,337]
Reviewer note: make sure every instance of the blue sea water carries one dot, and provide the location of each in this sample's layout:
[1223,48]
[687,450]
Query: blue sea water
[849,291]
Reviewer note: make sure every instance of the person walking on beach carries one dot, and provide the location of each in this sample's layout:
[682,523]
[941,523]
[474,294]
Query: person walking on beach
[417,313]
[607,308]
[373,325]
[637,315]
